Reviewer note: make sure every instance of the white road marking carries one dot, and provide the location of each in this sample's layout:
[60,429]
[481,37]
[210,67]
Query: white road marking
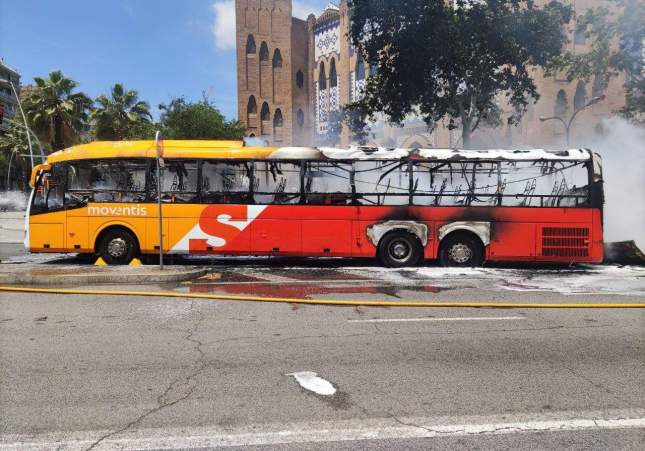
[312,382]
[320,432]
[411,320]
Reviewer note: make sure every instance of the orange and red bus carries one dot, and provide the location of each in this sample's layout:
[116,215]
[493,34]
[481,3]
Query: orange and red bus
[400,205]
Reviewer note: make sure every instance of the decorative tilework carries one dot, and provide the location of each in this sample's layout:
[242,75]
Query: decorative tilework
[327,41]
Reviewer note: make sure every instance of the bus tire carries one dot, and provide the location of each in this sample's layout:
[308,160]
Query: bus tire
[399,249]
[461,250]
[118,247]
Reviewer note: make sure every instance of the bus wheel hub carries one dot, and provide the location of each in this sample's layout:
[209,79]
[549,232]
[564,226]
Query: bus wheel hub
[117,247]
[400,250]
[460,253]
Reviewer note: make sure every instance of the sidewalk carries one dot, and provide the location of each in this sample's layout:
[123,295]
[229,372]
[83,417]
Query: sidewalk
[59,275]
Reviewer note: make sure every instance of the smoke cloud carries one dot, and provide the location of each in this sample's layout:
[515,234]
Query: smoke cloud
[623,154]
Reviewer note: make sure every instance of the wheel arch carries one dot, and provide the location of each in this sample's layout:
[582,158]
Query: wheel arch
[114,226]
[376,232]
[479,229]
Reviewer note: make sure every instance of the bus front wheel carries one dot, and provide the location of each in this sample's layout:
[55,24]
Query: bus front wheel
[400,249]
[462,250]
[118,247]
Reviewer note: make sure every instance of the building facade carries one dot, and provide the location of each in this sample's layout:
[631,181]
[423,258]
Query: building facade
[8,100]
[295,75]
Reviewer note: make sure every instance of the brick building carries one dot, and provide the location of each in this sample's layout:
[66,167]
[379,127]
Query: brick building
[294,75]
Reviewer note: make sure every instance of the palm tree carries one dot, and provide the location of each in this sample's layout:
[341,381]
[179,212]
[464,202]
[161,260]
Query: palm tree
[57,114]
[14,161]
[116,117]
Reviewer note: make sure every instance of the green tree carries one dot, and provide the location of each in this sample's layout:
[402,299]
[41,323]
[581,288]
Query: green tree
[57,114]
[119,115]
[453,59]
[14,150]
[617,33]
[358,129]
[181,119]
[334,127]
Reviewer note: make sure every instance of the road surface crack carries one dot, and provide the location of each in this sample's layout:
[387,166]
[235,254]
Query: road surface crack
[165,400]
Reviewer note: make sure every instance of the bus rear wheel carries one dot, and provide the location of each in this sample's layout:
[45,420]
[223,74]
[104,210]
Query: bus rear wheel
[461,250]
[400,249]
[118,247]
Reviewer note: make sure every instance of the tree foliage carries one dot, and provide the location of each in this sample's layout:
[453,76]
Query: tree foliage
[616,30]
[56,112]
[181,119]
[14,149]
[453,59]
[119,115]
[334,127]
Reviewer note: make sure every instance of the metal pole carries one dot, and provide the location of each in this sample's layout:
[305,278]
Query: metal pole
[24,119]
[159,209]
[9,170]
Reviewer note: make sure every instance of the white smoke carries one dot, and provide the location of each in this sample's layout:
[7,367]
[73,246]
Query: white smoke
[13,201]
[623,153]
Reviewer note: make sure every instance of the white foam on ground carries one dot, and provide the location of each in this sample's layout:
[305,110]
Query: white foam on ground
[310,381]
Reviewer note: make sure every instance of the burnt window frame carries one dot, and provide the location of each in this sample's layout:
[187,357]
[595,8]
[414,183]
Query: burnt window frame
[588,198]
[233,197]
[151,183]
[145,192]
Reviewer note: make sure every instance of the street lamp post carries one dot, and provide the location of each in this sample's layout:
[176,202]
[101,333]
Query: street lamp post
[567,125]
[24,119]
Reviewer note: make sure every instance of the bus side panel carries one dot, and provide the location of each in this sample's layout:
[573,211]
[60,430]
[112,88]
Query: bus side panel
[512,241]
[77,236]
[47,232]
[597,245]
[327,230]
[277,231]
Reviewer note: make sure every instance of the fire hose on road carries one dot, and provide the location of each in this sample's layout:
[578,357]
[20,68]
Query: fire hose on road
[332,302]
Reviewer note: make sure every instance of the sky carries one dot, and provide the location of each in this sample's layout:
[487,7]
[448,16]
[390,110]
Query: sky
[162,49]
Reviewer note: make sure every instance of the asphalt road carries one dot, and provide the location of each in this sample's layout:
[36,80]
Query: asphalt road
[99,372]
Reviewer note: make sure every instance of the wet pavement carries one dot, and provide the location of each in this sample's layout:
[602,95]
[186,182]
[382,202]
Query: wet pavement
[310,282]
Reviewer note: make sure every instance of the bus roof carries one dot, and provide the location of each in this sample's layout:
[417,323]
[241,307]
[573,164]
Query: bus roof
[237,150]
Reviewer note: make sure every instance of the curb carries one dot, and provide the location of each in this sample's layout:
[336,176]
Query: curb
[104,275]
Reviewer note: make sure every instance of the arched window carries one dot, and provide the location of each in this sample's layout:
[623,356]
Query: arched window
[265,119]
[360,68]
[580,98]
[333,79]
[597,87]
[300,79]
[250,45]
[265,71]
[300,118]
[265,114]
[251,76]
[561,106]
[264,51]
[277,125]
[277,58]
[373,69]
[252,106]
[322,77]
[277,118]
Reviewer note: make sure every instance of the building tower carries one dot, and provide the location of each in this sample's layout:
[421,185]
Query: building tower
[272,68]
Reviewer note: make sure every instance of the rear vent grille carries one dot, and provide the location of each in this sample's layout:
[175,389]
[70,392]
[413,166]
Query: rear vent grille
[565,242]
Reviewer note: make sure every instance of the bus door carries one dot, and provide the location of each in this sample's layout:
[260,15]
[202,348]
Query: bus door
[47,213]
[77,197]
